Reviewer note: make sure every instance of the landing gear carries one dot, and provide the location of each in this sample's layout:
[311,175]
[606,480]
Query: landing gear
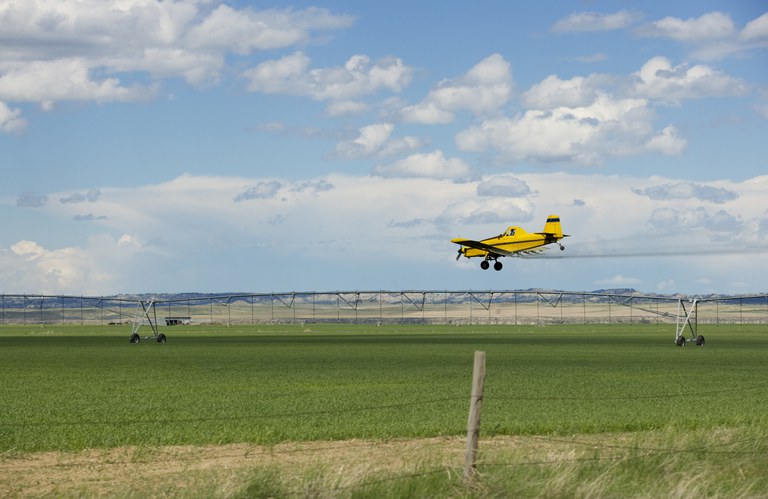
[562,248]
[486,264]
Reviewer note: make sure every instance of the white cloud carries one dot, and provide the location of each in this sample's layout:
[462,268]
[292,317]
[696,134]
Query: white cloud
[711,36]
[504,186]
[756,29]
[36,269]
[688,190]
[483,90]
[713,25]
[717,226]
[246,30]
[658,79]
[486,214]
[63,79]
[587,119]
[430,165]
[291,75]
[619,280]
[157,236]
[553,92]
[595,21]
[91,197]
[64,50]
[585,135]
[10,119]
[31,200]
[346,108]
[667,142]
[375,141]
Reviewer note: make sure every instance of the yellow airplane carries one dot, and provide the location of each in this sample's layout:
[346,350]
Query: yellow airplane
[513,242]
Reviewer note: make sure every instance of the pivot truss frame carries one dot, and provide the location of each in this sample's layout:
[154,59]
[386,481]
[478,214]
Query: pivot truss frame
[148,312]
[688,318]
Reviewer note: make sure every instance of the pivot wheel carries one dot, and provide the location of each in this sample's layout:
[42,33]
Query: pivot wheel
[680,341]
[497,266]
[484,265]
[161,338]
[699,341]
[135,338]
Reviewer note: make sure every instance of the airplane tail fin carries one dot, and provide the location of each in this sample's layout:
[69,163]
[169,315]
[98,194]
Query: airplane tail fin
[553,227]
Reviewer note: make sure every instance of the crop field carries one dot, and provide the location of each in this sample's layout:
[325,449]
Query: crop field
[568,410]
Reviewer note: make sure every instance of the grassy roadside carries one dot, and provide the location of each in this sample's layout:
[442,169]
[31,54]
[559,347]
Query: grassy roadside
[673,462]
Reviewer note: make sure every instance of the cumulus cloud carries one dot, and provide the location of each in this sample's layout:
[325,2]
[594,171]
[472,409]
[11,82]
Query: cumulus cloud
[712,25]
[102,264]
[713,35]
[63,79]
[584,135]
[375,141]
[483,90]
[667,142]
[552,92]
[715,225]
[586,120]
[275,189]
[497,212]
[659,80]
[156,236]
[246,30]
[503,186]
[10,119]
[47,270]
[756,29]
[91,50]
[291,75]
[262,190]
[595,21]
[91,196]
[687,190]
[429,165]
[31,200]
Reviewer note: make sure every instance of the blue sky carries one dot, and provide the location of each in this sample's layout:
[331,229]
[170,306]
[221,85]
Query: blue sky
[215,146]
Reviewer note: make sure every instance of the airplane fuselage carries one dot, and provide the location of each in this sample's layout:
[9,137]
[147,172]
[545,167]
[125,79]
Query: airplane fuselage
[512,242]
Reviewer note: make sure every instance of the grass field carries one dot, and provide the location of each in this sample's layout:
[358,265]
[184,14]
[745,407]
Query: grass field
[562,404]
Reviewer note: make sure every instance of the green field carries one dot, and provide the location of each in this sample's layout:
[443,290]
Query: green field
[69,388]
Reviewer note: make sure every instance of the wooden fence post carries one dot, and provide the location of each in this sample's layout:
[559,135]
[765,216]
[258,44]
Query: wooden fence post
[473,422]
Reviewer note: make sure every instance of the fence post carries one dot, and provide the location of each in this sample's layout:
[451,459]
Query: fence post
[473,422]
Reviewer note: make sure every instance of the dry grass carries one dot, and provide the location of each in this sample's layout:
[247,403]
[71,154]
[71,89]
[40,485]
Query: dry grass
[662,463]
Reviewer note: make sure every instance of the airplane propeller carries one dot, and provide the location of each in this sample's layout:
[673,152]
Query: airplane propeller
[459,255]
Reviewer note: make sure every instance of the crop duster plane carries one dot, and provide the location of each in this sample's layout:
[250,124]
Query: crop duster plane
[515,241]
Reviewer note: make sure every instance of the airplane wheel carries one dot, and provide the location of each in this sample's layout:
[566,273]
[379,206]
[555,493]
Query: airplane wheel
[135,338]
[699,341]
[497,266]
[161,338]
[562,248]
[680,341]
[484,265]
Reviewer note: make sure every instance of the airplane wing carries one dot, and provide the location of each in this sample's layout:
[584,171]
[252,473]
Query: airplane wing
[484,247]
